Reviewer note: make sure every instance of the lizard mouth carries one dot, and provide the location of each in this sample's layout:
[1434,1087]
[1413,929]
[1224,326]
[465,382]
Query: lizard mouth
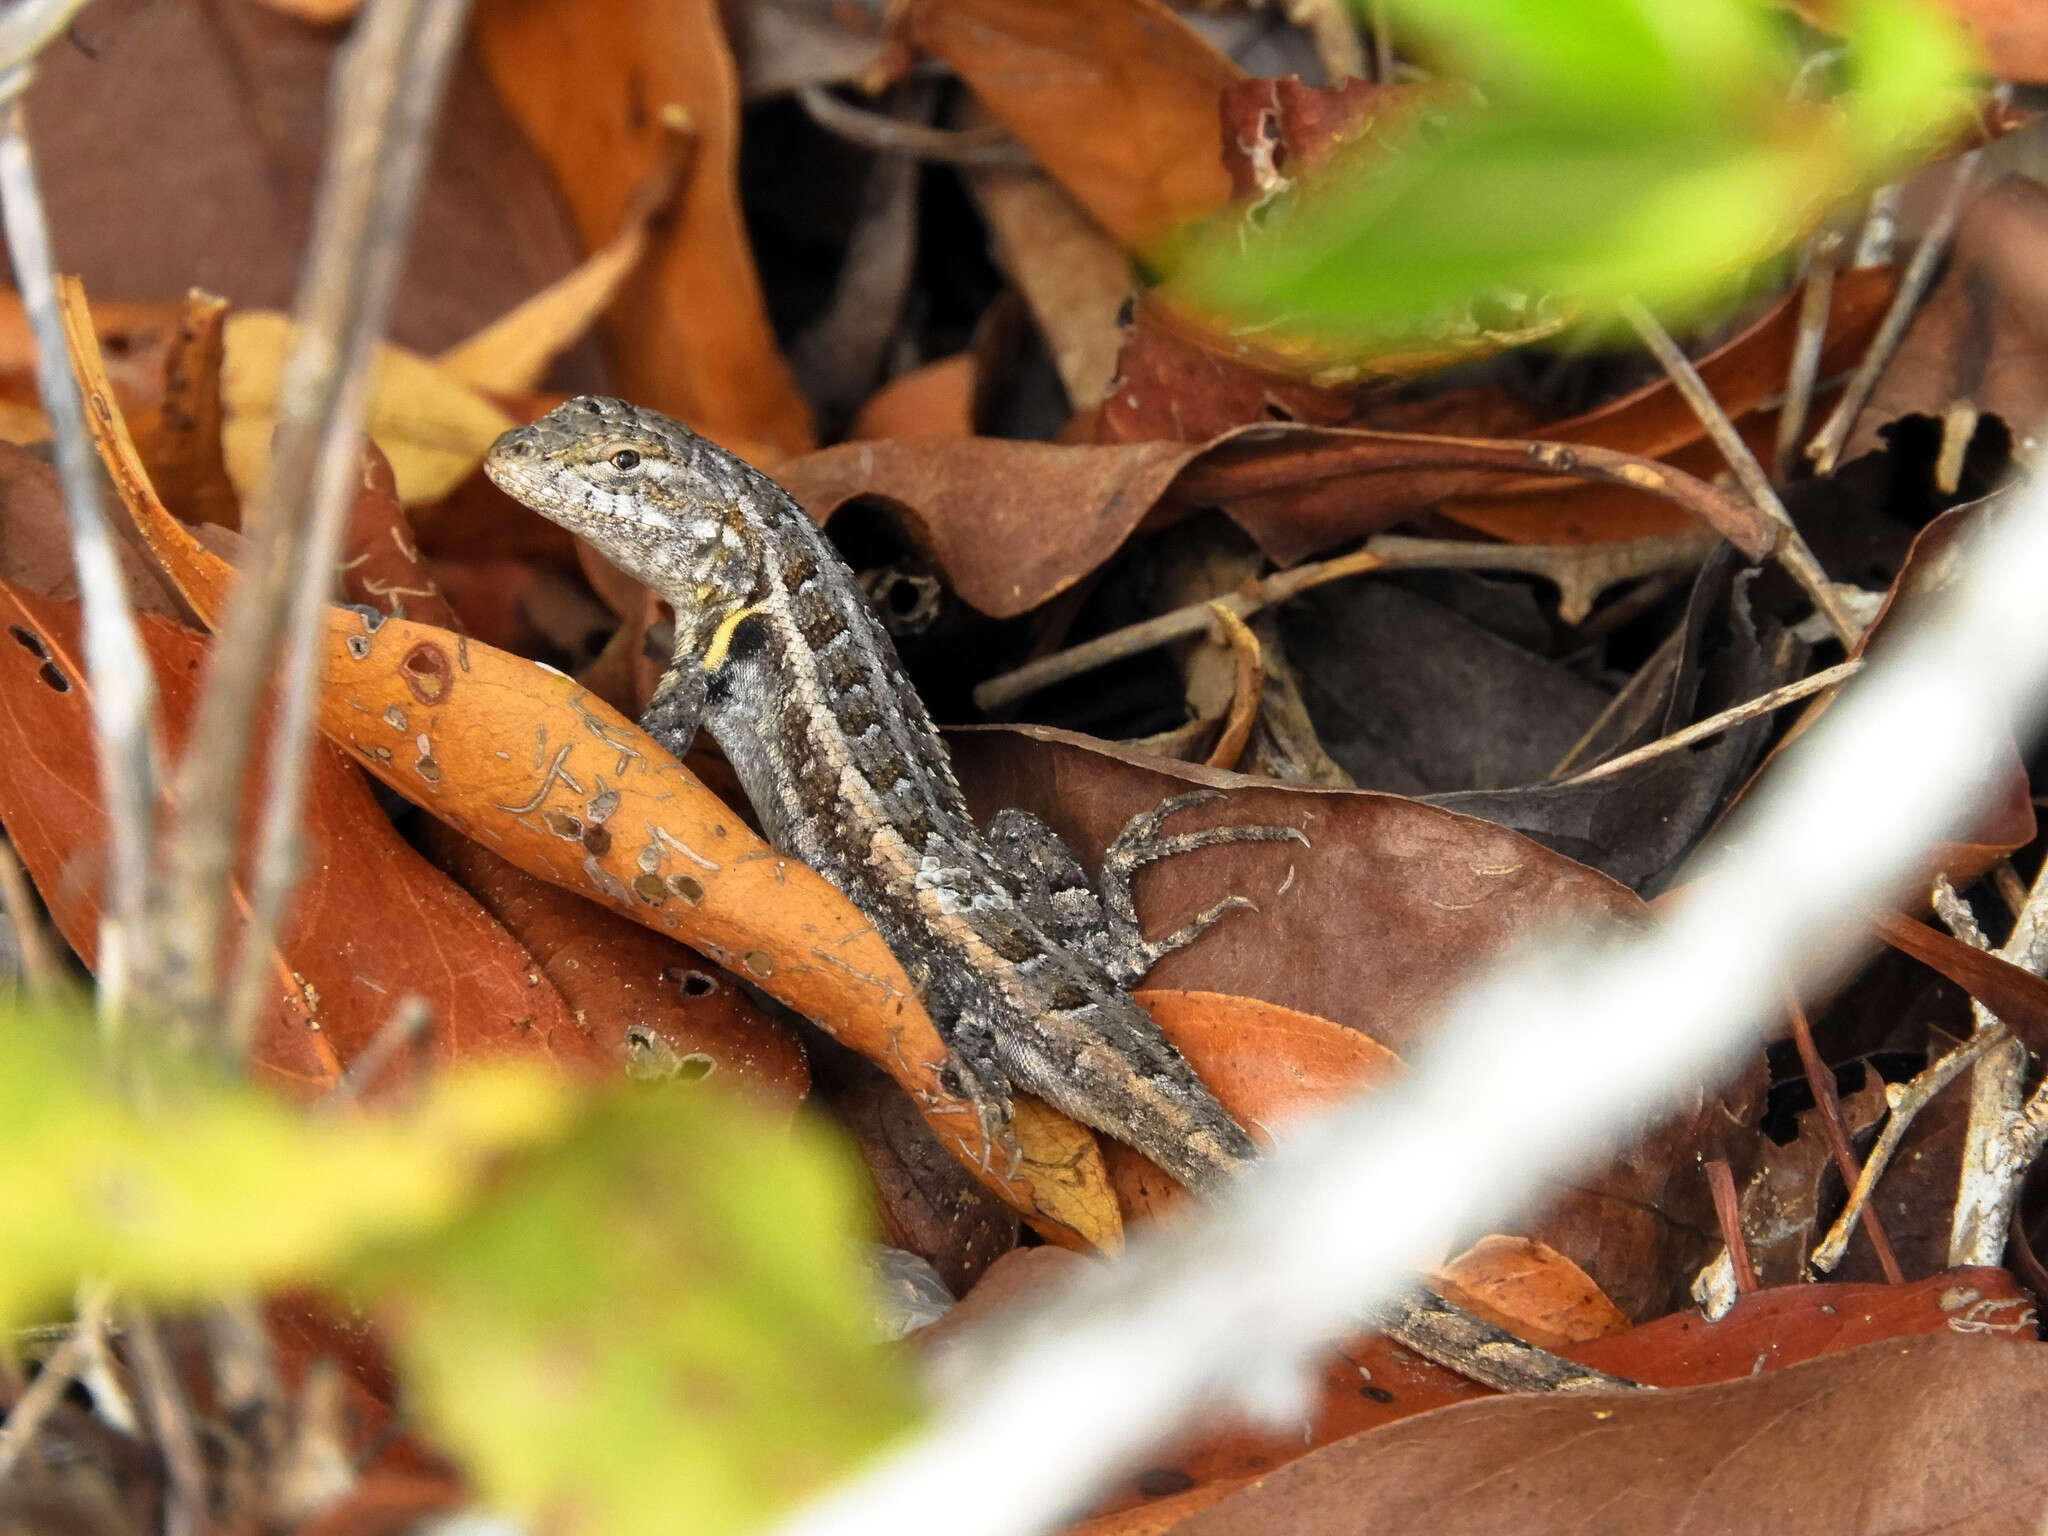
[513,461]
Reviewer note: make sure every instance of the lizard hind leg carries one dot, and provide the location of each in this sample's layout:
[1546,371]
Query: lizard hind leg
[974,1072]
[1130,954]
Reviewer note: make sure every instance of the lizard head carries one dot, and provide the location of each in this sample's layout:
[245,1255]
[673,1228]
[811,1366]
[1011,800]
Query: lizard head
[646,492]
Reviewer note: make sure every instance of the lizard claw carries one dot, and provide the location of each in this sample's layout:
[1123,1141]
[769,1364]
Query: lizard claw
[1142,842]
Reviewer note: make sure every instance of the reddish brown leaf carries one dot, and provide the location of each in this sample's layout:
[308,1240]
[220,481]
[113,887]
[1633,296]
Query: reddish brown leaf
[1116,98]
[1014,523]
[1369,1387]
[381,567]
[1978,340]
[1267,1065]
[2018,997]
[370,923]
[1871,1430]
[689,333]
[925,1200]
[180,147]
[645,998]
[1530,1289]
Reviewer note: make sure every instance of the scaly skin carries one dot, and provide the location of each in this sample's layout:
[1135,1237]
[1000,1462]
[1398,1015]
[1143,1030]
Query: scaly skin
[780,656]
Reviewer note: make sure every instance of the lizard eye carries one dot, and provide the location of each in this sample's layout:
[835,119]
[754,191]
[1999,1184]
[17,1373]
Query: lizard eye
[625,458]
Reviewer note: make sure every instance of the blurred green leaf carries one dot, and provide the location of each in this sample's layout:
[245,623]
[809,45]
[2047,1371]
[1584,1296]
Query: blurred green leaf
[659,1327]
[186,1186]
[1653,149]
[643,1312]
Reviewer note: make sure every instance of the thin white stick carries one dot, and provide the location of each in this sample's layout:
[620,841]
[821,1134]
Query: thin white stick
[398,65]
[1533,1074]
[119,681]
[1727,720]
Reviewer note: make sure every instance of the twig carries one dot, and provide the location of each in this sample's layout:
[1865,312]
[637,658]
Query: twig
[1728,1213]
[1728,719]
[1815,300]
[1905,1101]
[1826,448]
[1828,1107]
[1650,674]
[123,688]
[1382,42]
[1250,681]
[98,1373]
[405,1024]
[1790,549]
[39,962]
[387,89]
[1998,1140]
[989,144]
[1580,571]
[170,1419]
[1880,233]
[1235,1308]
[26,1417]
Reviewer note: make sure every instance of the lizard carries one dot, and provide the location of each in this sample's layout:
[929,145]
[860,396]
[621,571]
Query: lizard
[1024,967]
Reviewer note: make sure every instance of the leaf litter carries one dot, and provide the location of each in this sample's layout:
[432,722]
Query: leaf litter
[529,868]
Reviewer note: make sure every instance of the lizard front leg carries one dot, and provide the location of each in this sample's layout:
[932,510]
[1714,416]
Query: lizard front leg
[1100,920]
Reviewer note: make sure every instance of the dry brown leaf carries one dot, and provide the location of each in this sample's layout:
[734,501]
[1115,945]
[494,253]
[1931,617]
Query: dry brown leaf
[1817,1448]
[1530,1289]
[1116,98]
[1012,524]
[936,400]
[370,922]
[380,565]
[652,1004]
[590,83]
[925,1201]
[432,427]
[1072,274]
[1267,1065]
[511,355]
[519,757]
[184,453]
[1366,1388]
[1978,340]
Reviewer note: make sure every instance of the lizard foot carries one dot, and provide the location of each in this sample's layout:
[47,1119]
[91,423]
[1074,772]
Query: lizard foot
[1142,842]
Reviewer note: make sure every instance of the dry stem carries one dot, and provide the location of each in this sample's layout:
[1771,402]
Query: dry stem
[1815,299]
[1580,571]
[123,689]
[387,90]
[1790,549]
[1713,725]
[1826,448]
[1906,1100]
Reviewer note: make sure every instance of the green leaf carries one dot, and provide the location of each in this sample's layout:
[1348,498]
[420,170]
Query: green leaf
[185,1186]
[1652,149]
[658,1327]
[640,1313]
[1650,60]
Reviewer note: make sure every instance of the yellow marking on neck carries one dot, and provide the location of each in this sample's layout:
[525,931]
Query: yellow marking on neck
[721,637]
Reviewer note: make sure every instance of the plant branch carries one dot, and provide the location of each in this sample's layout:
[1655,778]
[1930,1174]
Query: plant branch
[1727,719]
[1790,549]
[1234,1309]
[387,90]
[1826,448]
[123,689]
[1580,571]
